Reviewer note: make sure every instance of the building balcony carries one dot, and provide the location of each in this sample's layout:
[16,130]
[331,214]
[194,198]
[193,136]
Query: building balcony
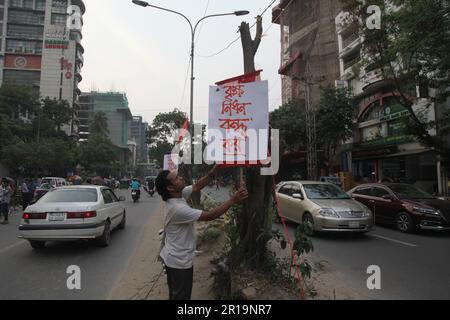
[79,3]
[80,47]
[371,77]
[351,47]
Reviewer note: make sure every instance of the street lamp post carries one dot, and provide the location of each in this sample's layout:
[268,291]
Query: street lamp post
[193,30]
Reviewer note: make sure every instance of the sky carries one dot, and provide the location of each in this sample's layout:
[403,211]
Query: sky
[145,52]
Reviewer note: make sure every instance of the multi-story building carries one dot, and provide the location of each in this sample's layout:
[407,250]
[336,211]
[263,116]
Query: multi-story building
[115,106]
[309,46]
[40,47]
[139,133]
[380,147]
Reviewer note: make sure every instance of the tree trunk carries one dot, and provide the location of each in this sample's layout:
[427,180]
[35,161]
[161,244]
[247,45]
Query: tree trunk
[253,223]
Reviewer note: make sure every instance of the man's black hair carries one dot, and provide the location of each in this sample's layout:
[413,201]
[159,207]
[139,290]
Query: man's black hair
[162,183]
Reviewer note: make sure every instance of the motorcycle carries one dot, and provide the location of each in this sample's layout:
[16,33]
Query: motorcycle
[151,192]
[135,195]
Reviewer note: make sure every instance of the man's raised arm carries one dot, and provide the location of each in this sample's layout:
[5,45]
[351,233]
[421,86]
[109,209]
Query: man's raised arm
[203,182]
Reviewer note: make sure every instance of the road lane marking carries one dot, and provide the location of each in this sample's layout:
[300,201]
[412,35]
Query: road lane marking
[12,246]
[393,240]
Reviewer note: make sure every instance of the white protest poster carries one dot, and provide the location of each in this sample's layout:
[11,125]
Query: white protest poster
[238,124]
[171,162]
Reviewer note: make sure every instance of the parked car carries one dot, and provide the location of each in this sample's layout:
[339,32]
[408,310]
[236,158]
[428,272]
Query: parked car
[73,213]
[324,205]
[332,179]
[42,190]
[54,181]
[404,205]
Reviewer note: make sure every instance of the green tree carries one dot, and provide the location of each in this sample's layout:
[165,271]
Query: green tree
[290,120]
[49,156]
[410,50]
[161,133]
[334,120]
[58,111]
[98,155]
[99,124]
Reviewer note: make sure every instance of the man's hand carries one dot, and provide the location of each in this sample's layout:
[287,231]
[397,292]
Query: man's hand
[213,172]
[240,195]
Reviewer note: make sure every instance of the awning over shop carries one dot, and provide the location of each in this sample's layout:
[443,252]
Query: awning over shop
[292,67]
[409,152]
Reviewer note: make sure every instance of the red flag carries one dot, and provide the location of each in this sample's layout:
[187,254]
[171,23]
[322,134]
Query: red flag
[184,131]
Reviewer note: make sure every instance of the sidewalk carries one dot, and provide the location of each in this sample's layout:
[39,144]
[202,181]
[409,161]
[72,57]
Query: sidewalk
[144,278]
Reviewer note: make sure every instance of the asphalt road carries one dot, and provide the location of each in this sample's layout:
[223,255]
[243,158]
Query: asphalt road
[27,274]
[413,266]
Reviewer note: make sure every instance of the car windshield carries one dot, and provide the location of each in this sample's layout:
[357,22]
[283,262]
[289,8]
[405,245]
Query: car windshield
[405,191]
[324,191]
[45,186]
[70,195]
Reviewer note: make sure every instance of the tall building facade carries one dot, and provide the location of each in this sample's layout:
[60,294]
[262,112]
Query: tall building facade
[309,46]
[380,147]
[41,47]
[139,133]
[115,106]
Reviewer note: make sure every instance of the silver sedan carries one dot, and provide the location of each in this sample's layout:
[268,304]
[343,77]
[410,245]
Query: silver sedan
[324,206]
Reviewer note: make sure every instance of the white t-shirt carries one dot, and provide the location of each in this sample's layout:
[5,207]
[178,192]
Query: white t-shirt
[181,240]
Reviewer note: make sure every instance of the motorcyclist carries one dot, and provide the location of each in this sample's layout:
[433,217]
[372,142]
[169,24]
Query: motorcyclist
[150,185]
[135,185]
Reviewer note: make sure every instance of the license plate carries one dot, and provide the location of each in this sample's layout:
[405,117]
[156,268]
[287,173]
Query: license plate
[60,216]
[353,224]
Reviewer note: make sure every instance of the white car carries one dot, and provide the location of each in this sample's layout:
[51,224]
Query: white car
[73,213]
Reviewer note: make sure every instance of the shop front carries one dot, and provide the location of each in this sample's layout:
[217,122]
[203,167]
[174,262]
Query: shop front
[384,150]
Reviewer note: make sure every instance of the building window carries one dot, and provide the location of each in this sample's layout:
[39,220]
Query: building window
[16,46]
[352,60]
[28,4]
[59,6]
[40,4]
[22,77]
[59,19]
[26,17]
[16,3]
[29,32]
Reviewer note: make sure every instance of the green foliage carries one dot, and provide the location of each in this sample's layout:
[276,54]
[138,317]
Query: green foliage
[98,155]
[210,234]
[303,245]
[411,49]
[98,125]
[47,157]
[290,120]
[161,133]
[57,111]
[17,99]
[334,119]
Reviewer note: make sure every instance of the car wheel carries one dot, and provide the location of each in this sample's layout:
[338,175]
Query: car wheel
[405,223]
[37,245]
[105,238]
[124,221]
[307,218]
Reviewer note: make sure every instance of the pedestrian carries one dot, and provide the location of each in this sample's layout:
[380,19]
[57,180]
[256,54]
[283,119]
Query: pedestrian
[217,184]
[179,240]
[26,193]
[5,199]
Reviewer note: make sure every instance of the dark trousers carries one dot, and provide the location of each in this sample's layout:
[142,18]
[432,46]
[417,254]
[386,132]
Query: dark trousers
[26,199]
[4,210]
[180,283]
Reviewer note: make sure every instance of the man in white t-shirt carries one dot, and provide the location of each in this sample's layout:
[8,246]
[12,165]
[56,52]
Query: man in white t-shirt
[180,237]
